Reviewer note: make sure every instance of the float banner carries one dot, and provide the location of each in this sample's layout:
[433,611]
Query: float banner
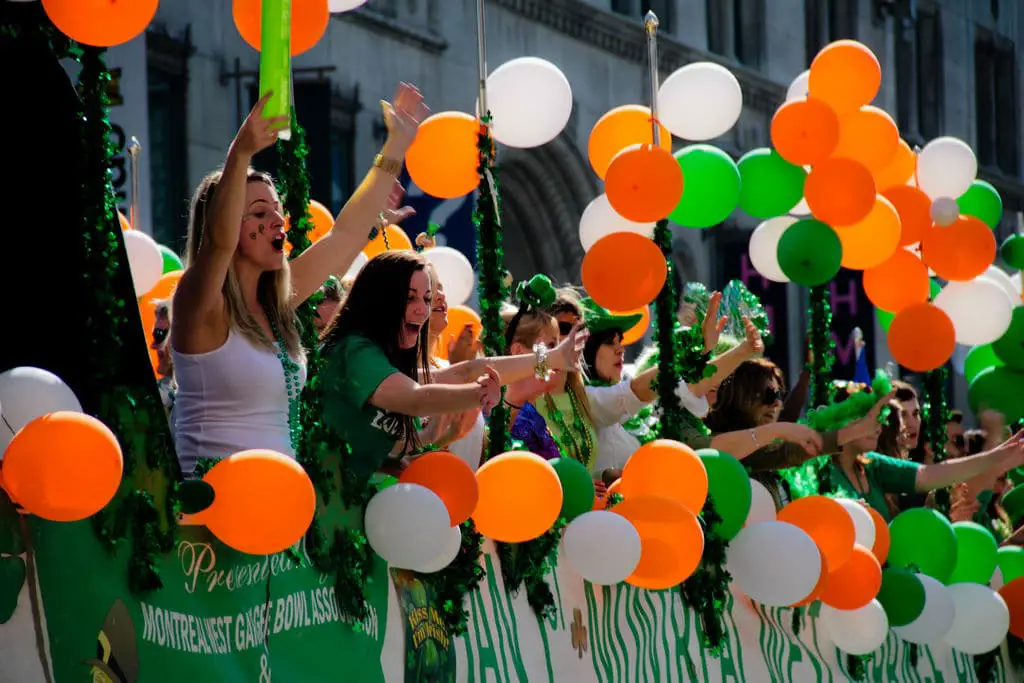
[228,617]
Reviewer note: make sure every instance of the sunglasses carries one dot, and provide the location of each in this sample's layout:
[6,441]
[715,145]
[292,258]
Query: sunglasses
[565,328]
[771,395]
[160,334]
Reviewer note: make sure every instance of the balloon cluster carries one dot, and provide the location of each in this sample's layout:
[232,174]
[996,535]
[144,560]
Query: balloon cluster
[840,188]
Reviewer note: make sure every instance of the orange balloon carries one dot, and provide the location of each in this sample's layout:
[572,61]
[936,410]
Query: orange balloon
[899,170]
[397,240]
[856,583]
[805,131]
[915,210]
[900,281]
[263,502]
[818,587]
[962,251]
[637,332]
[873,240]
[620,128]
[671,541]
[164,287]
[321,218]
[147,313]
[102,23]
[882,540]
[840,192]
[825,521]
[443,159]
[450,478]
[624,270]
[921,337]
[846,75]
[644,183]
[125,223]
[615,487]
[458,317]
[870,136]
[309,22]
[63,466]
[1013,595]
[503,513]
[669,469]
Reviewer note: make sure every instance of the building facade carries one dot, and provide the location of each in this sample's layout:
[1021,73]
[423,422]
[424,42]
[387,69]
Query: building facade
[950,67]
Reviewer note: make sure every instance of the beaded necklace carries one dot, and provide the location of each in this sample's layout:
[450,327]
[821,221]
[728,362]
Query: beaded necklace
[291,382]
[569,446]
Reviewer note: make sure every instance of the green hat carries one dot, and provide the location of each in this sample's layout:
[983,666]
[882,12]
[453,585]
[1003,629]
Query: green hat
[599,318]
[1013,504]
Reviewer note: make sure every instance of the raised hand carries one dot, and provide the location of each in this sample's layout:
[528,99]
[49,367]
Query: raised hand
[713,325]
[257,133]
[868,425]
[394,213]
[404,114]
[566,355]
[802,435]
[753,336]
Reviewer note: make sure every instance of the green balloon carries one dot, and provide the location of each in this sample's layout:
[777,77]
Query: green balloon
[729,488]
[577,488]
[924,539]
[885,317]
[1016,475]
[711,187]
[1012,251]
[982,201]
[1010,347]
[810,253]
[172,261]
[1010,559]
[980,357]
[998,388]
[976,554]
[770,185]
[901,596]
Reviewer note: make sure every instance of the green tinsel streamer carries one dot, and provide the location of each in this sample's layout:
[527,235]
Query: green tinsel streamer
[528,563]
[707,590]
[985,666]
[934,416]
[670,373]
[492,288]
[459,579]
[819,321]
[857,666]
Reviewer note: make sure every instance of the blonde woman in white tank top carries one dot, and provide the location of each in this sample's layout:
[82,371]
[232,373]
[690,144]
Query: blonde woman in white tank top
[234,337]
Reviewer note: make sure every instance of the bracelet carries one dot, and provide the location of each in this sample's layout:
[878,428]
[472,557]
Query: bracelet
[541,370]
[753,437]
[511,405]
[389,166]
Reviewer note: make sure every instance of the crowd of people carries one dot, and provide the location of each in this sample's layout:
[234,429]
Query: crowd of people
[232,365]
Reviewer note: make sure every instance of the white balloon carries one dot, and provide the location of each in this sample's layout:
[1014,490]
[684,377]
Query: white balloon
[28,393]
[406,524]
[455,272]
[700,101]
[801,208]
[945,211]
[144,259]
[932,625]
[982,618]
[530,100]
[762,505]
[863,523]
[980,310]
[356,266]
[774,563]
[996,582]
[999,276]
[798,88]
[449,551]
[1015,280]
[599,220]
[857,631]
[337,6]
[946,167]
[603,547]
[764,247]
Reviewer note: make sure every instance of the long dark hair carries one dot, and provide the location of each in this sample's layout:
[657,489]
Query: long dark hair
[741,393]
[375,308]
[594,342]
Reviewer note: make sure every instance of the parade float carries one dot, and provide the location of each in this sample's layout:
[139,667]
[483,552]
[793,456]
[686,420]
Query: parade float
[113,569]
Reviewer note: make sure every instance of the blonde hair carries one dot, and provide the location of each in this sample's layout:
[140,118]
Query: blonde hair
[273,290]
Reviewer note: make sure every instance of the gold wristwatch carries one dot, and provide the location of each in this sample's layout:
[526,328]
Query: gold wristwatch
[390,166]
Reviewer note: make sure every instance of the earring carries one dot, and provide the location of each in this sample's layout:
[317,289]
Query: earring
[252,235]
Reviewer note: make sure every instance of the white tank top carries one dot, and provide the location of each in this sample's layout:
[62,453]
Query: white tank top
[230,399]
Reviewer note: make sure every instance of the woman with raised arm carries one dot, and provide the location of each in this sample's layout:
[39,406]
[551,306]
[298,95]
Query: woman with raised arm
[234,334]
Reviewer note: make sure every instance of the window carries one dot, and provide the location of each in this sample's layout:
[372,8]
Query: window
[665,9]
[919,76]
[167,74]
[826,21]
[996,115]
[736,30]
[342,150]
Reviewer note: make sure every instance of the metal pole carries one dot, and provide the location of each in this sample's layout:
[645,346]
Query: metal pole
[481,47]
[651,28]
[134,148]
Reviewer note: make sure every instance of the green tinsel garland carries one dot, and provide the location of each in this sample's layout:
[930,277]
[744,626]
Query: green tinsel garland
[528,564]
[819,321]
[857,666]
[459,579]
[670,373]
[707,590]
[934,416]
[985,666]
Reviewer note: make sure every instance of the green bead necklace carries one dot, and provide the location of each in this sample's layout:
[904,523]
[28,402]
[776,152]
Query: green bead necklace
[582,453]
[292,384]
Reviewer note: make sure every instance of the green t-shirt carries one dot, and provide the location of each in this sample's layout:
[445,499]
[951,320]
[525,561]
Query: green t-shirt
[352,371]
[884,475]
